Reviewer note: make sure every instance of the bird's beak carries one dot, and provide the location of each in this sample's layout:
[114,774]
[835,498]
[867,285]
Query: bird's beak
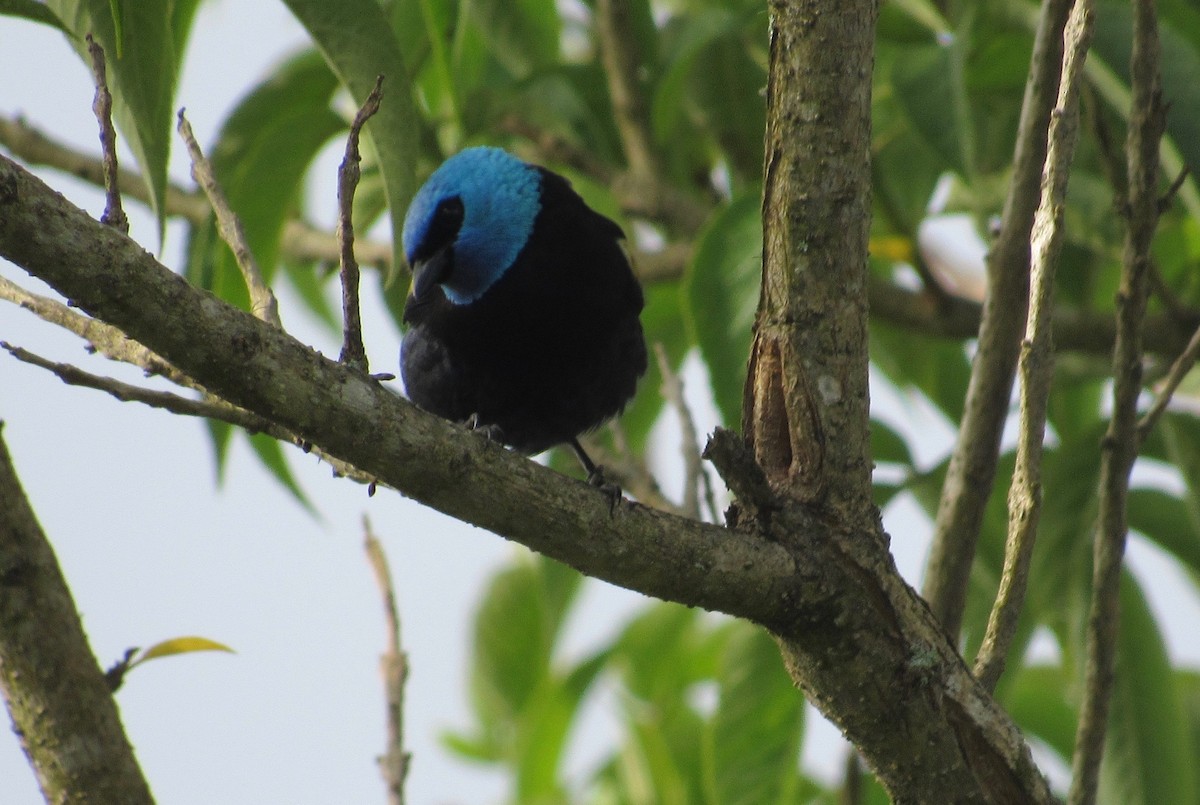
[429,273]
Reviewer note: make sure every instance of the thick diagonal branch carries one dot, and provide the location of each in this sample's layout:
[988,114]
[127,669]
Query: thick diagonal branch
[56,693]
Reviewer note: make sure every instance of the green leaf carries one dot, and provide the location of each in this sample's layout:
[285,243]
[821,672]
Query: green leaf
[522,34]
[143,46]
[924,87]
[696,32]
[1168,522]
[663,323]
[722,297]
[544,727]
[270,453]
[1037,699]
[179,645]
[939,368]
[35,11]
[1180,71]
[888,446]
[356,39]
[1188,683]
[1149,757]
[759,723]
[516,627]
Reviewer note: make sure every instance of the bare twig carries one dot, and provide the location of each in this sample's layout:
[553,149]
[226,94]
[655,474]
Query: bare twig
[737,466]
[37,148]
[1179,369]
[126,392]
[113,215]
[394,663]
[973,463]
[693,467]
[104,338]
[1037,357]
[115,345]
[301,240]
[1164,203]
[1119,448]
[262,300]
[349,172]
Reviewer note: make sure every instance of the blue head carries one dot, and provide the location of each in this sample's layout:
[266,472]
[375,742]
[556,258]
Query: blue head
[468,222]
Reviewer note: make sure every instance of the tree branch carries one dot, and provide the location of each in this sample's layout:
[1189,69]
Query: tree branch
[394,666]
[972,466]
[1147,121]
[56,694]
[125,392]
[113,214]
[349,172]
[864,645]
[262,300]
[1037,357]
[117,346]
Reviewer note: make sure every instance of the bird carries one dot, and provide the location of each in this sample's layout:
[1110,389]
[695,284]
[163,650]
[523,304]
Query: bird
[523,316]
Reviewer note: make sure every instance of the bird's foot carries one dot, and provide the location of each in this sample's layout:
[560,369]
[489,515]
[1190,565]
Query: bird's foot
[612,491]
[595,476]
[492,433]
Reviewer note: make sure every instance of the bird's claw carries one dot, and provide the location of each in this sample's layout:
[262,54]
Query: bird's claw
[492,433]
[610,490]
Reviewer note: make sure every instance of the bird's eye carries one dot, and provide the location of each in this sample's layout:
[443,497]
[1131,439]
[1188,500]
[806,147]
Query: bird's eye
[443,227]
[449,213]
[447,219]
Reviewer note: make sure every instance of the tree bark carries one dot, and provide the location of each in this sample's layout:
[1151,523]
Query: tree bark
[60,704]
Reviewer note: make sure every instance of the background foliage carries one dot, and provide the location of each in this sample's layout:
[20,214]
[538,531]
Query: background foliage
[706,712]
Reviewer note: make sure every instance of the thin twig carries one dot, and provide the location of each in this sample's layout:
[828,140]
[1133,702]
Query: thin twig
[1036,364]
[117,346]
[301,240]
[125,392]
[1147,121]
[972,467]
[353,351]
[393,764]
[104,338]
[1164,202]
[693,466]
[1179,369]
[262,300]
[35,147]
[113,215]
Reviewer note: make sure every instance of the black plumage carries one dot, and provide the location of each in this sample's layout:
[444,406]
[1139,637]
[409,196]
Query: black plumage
[537,351]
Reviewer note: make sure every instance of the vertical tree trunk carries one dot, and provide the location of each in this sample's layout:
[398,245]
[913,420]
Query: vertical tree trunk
[806,401]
